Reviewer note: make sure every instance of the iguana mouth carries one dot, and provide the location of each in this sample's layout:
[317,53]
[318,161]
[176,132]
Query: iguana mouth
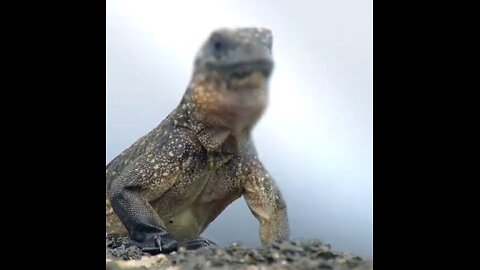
[240,74]
[243,70]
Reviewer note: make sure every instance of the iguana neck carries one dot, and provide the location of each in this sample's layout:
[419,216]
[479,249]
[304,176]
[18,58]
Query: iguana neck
[214,138]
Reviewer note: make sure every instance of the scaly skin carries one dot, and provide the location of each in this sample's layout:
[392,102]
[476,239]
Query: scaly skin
[169,185]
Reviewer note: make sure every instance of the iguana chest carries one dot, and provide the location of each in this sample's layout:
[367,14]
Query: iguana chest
[190,206]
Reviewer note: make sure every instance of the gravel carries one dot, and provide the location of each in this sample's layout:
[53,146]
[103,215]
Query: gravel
[297,254]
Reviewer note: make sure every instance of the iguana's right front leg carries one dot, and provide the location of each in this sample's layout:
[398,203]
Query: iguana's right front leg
[149,177]
[142,222]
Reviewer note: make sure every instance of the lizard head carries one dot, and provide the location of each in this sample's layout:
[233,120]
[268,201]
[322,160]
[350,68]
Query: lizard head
[230,78]
[236,53]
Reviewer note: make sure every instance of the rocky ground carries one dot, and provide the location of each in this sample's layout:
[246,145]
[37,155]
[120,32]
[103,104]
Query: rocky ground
[287,255]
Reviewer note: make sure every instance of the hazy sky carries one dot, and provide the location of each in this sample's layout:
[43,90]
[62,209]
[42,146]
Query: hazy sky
[316,135]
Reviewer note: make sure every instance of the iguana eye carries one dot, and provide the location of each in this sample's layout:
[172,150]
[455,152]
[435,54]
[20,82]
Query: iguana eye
[218,45]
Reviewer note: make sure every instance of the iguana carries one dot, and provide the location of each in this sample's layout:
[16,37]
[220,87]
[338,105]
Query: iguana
[167,187]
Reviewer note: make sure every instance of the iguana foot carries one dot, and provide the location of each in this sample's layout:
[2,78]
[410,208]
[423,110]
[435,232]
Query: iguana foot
[157,243]
[164,243]
[196,243]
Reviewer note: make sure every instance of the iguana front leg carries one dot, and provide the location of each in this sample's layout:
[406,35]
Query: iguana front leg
[266,203]
[145,228]
[147,179]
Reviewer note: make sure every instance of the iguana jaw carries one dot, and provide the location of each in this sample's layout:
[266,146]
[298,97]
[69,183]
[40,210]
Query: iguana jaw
[235,103]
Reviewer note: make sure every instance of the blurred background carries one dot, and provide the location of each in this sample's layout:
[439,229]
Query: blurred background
[316,135]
